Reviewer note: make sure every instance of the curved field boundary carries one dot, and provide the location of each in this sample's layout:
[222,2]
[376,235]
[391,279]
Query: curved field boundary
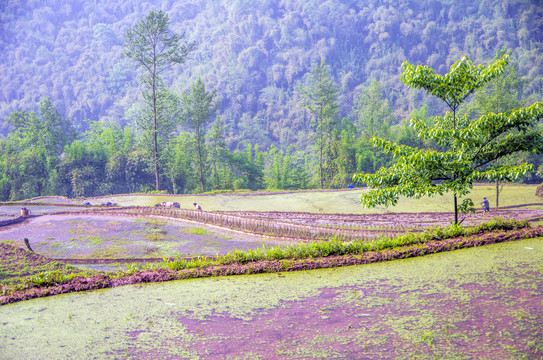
[239,223]
[271,266]
[130,260]
[61,198]
[29,203]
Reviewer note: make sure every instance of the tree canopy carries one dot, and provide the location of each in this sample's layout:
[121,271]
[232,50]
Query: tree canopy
[465,148]
[152,45]
[320,100]
[255,54]
[198,108]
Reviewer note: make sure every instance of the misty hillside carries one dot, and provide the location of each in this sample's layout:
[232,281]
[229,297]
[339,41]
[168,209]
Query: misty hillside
[255,53]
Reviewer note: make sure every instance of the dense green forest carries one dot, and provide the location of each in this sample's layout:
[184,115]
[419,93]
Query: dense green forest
[69,100]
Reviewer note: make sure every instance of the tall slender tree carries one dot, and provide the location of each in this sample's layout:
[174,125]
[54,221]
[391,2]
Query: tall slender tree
[217,154]
[198,107]
[320,96]
[372,111]
[155,48]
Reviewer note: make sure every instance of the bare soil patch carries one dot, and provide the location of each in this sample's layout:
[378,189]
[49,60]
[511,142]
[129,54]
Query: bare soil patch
[365,326]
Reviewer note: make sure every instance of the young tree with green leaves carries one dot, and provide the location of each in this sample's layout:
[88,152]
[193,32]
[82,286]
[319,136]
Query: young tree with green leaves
[198,107]
[503,93]
[155,48]
[320,98]
[372,111]
[468,149]
[217,154]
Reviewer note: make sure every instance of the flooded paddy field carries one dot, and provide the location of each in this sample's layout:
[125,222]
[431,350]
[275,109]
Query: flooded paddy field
[483,302]
[109,237]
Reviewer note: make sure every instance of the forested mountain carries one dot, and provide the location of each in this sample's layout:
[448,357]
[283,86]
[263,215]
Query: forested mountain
[295,90]
[255,53]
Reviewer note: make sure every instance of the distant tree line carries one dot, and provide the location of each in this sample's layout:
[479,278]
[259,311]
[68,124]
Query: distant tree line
[44,155]
[188,140]
[256,54]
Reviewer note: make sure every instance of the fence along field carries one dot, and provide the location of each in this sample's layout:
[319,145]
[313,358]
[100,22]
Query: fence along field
[240,214]
[366,227]
[250,225]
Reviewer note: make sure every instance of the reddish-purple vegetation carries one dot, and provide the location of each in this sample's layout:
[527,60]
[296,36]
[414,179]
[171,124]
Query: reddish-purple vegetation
[103,281]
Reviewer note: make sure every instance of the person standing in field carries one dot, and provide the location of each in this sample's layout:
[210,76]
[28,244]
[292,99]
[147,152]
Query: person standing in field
[486,205]
[198,207]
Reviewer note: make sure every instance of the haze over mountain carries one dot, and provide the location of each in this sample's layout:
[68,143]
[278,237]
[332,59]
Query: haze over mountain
[255,53]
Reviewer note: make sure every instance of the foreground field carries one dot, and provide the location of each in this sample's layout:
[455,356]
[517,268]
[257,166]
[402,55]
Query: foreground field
[482,303]
[117,237]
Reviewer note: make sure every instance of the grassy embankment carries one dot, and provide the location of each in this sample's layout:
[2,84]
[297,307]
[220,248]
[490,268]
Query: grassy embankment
[290,258]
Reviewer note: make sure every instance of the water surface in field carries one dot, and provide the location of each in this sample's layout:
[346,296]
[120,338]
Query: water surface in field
[108,237]
[15,210]
[484,303]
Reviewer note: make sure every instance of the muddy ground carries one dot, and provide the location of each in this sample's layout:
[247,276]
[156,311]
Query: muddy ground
[94,237]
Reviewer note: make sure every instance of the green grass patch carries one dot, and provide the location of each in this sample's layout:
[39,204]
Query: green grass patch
[19,270]
[211,242]
[194,231]
[110,252]
[156,236]
[47,278]
[94,240]
[121,240]
[10,242]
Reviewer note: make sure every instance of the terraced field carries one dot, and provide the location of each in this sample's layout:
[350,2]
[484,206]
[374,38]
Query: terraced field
[479,302]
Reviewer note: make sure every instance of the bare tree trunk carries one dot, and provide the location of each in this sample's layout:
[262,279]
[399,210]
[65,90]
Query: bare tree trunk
[321,145]
[497,193]
[320,168]
[155,135]
[455,210]
[497,188]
